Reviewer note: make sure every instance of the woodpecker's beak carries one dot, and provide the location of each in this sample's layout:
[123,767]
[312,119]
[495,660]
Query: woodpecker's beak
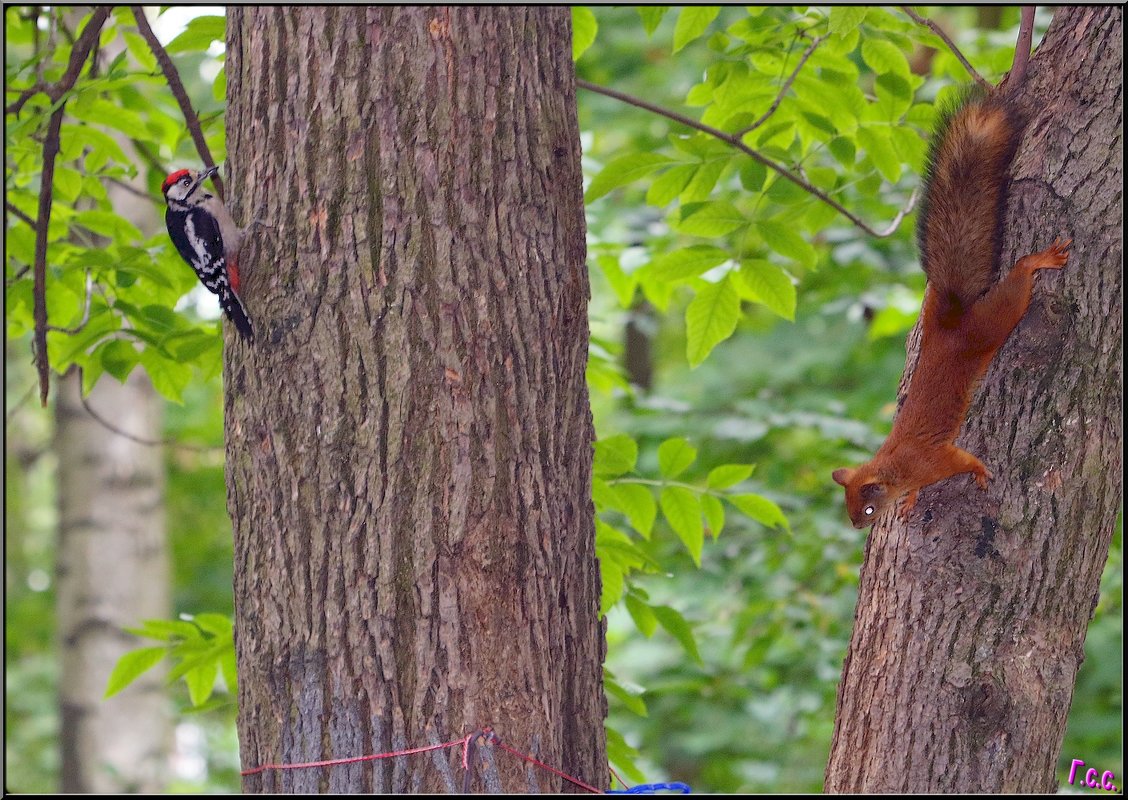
[203,176]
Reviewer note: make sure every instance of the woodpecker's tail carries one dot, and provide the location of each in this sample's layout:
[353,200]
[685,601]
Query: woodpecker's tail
[233,307]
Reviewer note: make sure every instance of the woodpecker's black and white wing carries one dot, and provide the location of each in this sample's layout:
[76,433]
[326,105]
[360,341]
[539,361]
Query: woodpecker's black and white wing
[196,236]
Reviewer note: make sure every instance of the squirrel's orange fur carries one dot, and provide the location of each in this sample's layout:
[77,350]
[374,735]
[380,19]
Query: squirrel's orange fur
[965,319]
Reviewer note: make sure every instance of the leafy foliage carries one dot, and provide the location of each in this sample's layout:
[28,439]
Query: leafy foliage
[128,318]
[749,291]
[201,648]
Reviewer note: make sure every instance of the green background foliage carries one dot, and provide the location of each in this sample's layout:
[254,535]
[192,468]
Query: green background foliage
[770,326]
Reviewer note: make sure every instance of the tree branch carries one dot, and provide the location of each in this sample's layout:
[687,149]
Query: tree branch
[138,439]
[1022,47]
[932,26]
[15,212]
[735,141]
[132,189]
[56,93]
[783,89]
[177,87]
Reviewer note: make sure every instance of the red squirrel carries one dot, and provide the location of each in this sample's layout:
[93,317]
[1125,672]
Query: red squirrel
[966,319]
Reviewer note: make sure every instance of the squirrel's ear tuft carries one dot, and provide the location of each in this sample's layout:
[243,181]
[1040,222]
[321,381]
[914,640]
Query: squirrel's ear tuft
[872,490]
[842,476]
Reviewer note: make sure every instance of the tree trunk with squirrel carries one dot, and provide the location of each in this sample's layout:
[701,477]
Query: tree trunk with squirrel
[971,621]
[409,440]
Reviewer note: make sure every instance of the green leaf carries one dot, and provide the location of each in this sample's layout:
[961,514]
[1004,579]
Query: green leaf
[91,372]
[894,96]
[710,319]
[140,50]
[623,756]
[683,512]
[169,378]
[715,218]
[218,624]
[674,457]
[786,241]
[878,145]
[118,358]
[843,150]
[844,19]
[165,630]
[768,284]
[637,502]
[611,576]
[199,34]
[642,614]
[219,86]
[108,224]
[910,147]
[146,268]
[669,184]
[652,17]
[584,28]
[603,495]
[752,175]
[676,626]
[201,681]
[160,319]
[689,262]
[615,455]
[68,183]
[131,666]
[703,181]
[621,283]
[692,22]
[891,321]
[760,509]
[632,700]
[714,514]
[727,475]
[623,170]
[885,57]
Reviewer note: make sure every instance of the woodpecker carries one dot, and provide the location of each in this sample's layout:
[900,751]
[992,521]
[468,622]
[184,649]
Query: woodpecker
[208,239]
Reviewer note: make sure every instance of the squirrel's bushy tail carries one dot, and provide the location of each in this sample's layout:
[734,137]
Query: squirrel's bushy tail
[965,186]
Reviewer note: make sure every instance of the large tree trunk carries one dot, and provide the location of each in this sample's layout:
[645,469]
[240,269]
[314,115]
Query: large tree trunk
[113,572]
[971,621]
[409,439]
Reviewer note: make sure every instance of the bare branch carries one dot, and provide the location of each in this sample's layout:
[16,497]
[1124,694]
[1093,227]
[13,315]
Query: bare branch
[735,141]
[17,105]
[177,87]
[11,413]
[1022,47]
[132,189]
[87,40]
[15,212]
[932,26]
[783,89]
[138,439]
[149,157]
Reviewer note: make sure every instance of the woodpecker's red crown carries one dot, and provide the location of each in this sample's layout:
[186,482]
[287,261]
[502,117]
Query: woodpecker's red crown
[173,177]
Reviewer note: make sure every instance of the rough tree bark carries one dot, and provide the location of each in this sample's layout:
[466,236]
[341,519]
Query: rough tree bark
[113,572]
[971,620]
[409,440]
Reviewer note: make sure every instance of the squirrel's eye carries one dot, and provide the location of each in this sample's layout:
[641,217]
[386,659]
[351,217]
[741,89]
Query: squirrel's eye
[869,511]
